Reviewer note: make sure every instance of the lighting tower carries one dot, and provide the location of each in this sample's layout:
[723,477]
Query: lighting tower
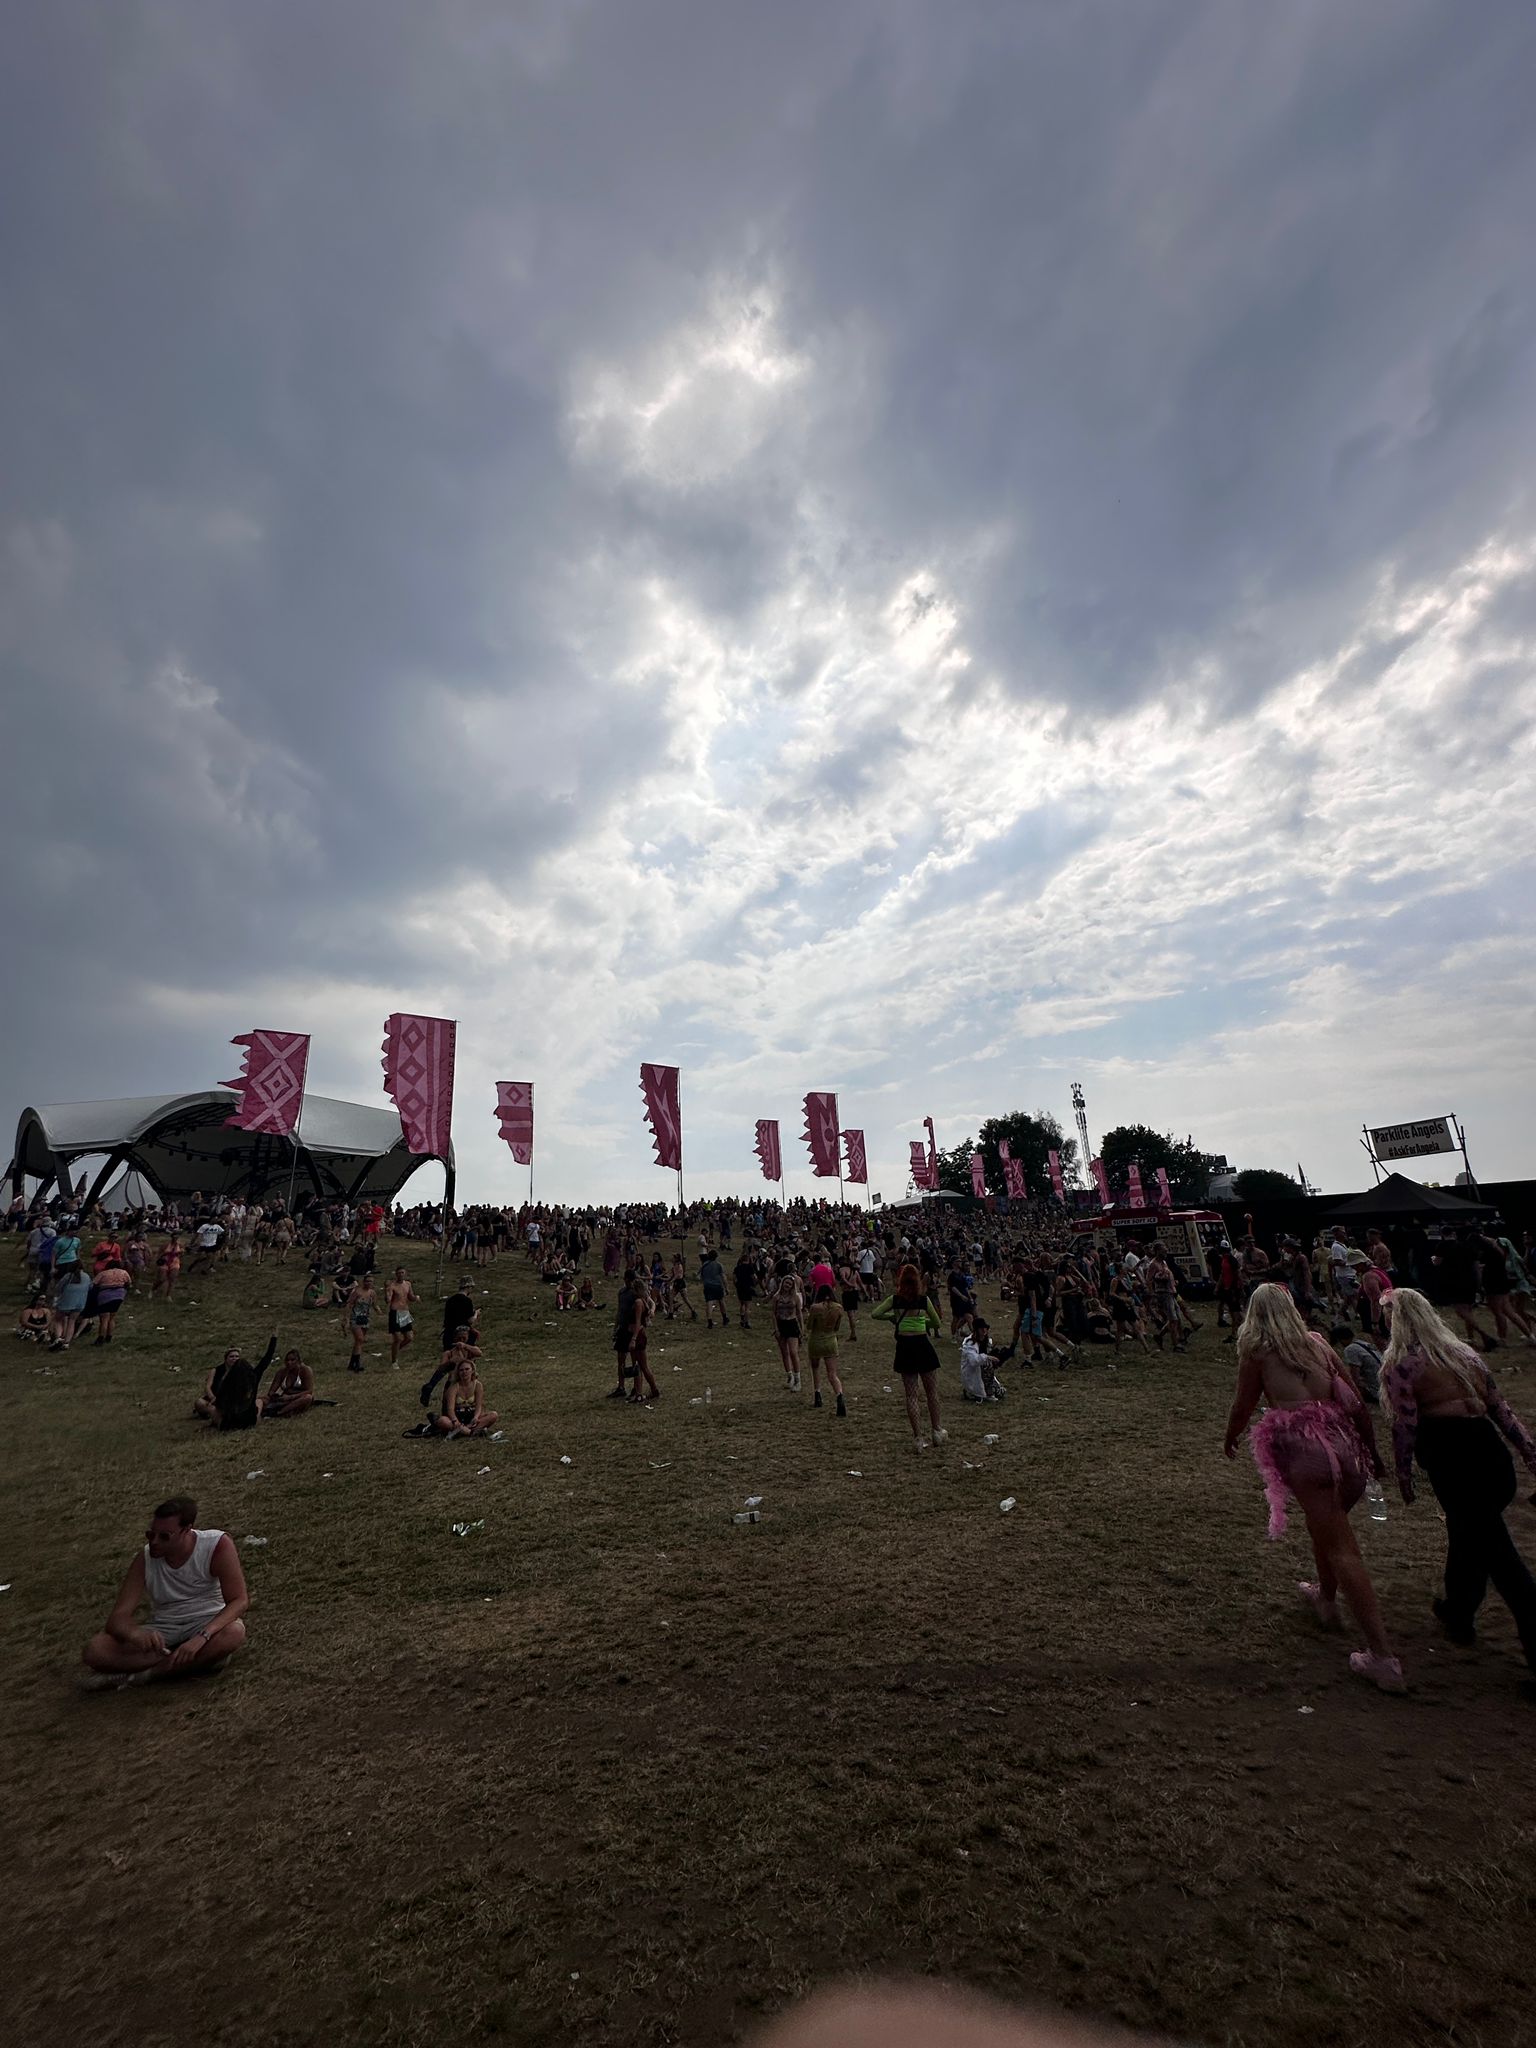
[1080,1110]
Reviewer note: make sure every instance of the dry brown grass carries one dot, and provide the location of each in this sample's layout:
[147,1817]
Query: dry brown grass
[614,1770]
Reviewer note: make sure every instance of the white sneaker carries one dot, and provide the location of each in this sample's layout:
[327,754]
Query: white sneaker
[941,1436]
[918,1444]
[795,1384]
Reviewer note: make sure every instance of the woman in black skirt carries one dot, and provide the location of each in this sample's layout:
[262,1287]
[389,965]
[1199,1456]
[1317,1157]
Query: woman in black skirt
[917,1324]
[1447,1411]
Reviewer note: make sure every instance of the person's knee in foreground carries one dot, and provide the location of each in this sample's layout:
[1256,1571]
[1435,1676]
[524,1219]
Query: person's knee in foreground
[197,1597]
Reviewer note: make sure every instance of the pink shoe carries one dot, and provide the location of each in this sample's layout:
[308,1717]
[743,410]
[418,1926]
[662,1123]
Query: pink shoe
[1327,1611]
[1385,1672]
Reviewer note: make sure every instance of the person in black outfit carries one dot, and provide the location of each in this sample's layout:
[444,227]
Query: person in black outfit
[460,1312]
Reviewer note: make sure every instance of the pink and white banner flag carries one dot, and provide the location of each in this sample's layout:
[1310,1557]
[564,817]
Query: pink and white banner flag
[933,1153]
[1164,1192]
[514,1112]
[271,1083]
[821,1135]
[1013,1179]
[1058,1185]
[663,1112]
[418,1078]
[1101,1178]
[1133,1183]
[767,1148]
[978,1175]
[921,1177]
[858,1165]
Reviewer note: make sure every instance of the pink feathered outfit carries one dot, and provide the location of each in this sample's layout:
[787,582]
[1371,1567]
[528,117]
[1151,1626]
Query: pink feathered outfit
[1327,1442]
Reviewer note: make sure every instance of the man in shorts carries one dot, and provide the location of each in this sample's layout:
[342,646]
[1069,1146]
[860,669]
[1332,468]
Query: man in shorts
[399,1296]
[196,1591]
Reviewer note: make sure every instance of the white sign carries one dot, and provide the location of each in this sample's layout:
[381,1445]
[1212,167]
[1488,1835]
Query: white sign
[1412,1141]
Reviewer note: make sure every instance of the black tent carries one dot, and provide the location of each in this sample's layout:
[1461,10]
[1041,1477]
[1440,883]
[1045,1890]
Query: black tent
[1399,1200]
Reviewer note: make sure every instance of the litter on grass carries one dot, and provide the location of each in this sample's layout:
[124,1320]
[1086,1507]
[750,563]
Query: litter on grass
[1007,1506]
[259,1473]
[254,1542]
[466,1528]
[565,1461]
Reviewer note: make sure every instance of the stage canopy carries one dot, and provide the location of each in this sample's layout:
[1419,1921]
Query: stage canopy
[181,1144]
[1400,1199]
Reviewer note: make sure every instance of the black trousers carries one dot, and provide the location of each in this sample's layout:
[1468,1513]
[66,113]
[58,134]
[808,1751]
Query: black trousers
[1473,1477]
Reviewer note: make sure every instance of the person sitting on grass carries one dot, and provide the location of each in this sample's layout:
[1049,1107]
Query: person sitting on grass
[464,1410]
[585,1298]
[462,1347]
[292,1390]
[32,1323]
[231,1393]
[978,1365]
[565,1292]
[197,1598]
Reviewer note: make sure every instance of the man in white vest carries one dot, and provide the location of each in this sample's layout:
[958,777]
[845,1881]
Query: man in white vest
[195,1587]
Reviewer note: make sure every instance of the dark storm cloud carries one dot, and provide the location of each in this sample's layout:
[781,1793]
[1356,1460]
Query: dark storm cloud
[1157,333]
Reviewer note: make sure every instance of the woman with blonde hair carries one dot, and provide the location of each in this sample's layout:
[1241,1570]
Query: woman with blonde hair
[1447,1410]
[1314,1443]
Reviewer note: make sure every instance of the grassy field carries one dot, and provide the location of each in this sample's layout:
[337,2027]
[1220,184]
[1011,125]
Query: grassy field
[612,1769]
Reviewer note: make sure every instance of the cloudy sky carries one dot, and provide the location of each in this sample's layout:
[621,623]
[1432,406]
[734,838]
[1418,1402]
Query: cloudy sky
[932,548]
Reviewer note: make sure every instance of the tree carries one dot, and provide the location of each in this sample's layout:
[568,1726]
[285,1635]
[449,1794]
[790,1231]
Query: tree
[1030,1139]
[1264,1184]
[1187,1167]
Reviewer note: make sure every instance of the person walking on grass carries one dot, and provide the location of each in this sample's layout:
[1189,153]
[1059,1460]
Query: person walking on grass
[401,1297]
[917,1323]
[712,1280]
[1447,1412]
[1315,1444]
[821,1328]
[787,1301]
[356,1316]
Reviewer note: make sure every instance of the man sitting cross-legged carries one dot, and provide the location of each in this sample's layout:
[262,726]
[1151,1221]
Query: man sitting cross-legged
[195,1587]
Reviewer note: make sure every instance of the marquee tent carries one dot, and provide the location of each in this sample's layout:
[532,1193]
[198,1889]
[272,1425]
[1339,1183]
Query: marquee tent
[181,1144]
[1399,1199]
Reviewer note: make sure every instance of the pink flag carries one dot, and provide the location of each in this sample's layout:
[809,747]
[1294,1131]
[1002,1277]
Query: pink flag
[418,1077]
[1102,1179]
[514,1110]
[858,1165]
[664,1113]
[1013,1179]
[978,1175]
[933,1153]
[1058,1185]
[920,1170]
[1164,1192]
[1133,1182]
[271,1083]
[767,1148]
[821,1134]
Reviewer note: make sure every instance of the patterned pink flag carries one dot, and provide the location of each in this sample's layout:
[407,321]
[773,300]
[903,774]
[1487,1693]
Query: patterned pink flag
[418,1078]
[514,1112]
[1133,1182]
[920,1172]
[821,1134]
[1102,1178]
[271,1083]
[1164,1192]
[1013,1179]
[978,1175]
[858,1165]
[767,1148]
[1058,1185]
[664,1113]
